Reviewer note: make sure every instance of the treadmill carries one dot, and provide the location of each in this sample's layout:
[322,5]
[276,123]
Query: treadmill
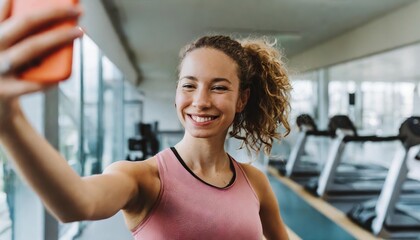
[295,167]
[357,185]
[393,215]
[305,171]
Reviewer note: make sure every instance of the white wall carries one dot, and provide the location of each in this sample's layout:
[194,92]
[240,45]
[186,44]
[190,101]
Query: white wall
[396,29]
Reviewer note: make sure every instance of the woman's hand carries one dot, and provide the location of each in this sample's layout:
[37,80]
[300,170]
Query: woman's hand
[19,45]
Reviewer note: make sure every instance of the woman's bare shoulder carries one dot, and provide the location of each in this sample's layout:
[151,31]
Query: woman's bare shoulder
[252,172]
[257,178]
[140,170]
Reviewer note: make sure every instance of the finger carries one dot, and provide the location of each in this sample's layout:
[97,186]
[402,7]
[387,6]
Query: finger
[38,46]
[16,28]
[12,88]
[4,9]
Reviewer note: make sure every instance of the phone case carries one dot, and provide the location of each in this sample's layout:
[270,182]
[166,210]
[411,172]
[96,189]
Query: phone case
[56,66]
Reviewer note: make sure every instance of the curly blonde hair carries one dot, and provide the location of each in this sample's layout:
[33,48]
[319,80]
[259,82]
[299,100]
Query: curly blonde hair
[262,71]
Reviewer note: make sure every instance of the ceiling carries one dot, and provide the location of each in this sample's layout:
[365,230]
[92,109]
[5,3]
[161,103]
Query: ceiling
[155,30]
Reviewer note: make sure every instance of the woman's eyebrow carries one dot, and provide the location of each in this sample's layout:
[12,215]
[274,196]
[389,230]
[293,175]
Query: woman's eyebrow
[214,80]
[189,77]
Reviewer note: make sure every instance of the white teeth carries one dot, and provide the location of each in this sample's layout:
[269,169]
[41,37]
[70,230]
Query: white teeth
[201,119]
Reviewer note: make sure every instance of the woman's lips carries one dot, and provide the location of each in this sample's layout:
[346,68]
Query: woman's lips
[202,119]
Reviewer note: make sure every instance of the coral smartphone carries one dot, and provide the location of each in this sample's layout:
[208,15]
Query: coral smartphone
[57,65]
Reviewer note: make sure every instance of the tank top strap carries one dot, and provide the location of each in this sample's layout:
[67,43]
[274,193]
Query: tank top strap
[241,176]
[168,166]
[162,162]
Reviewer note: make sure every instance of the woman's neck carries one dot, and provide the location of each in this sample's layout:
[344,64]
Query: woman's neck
[202,154]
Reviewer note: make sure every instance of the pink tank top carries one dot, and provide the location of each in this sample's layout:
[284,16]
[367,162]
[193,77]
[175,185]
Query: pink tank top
[189,208]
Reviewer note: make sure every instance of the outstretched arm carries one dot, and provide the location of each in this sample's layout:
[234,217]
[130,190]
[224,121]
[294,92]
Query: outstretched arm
[68,196]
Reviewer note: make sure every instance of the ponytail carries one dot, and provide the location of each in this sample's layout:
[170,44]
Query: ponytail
[268,105]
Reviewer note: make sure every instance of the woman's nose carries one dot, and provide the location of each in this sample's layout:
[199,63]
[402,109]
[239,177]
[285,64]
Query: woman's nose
[201,99]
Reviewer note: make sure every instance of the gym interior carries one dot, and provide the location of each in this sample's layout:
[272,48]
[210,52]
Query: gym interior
[350,167]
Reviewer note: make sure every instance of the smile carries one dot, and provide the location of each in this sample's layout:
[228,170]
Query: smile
[202,119]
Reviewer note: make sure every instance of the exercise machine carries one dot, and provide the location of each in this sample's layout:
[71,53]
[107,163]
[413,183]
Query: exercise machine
[394,215]
[295,168]
[305,171]
[357,185]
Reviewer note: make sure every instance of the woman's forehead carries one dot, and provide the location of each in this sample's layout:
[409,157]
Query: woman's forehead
[210,63]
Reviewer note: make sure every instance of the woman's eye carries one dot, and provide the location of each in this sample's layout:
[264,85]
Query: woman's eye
[187,86]
[220,88]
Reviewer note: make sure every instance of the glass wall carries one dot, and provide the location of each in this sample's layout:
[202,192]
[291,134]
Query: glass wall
[339,93]
[377,92]
[6,176]
[113,113]
[92,95]
[21,213]
[69,113]
[133,115]
[304,95]
[386,105]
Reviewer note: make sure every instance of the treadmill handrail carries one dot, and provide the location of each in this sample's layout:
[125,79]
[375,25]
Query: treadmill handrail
[391,190]
[320,133]
[297,150]
[333,160]
[295,154]
[371,138]
[335,153]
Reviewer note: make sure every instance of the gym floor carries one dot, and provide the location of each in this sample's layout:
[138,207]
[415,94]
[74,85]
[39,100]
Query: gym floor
[310,217]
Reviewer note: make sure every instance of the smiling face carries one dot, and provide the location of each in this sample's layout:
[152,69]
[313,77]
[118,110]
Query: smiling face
[207,96]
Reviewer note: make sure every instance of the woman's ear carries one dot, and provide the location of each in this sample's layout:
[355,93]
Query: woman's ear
[242,101]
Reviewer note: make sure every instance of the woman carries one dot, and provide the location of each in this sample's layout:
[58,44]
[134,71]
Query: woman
[194,190]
